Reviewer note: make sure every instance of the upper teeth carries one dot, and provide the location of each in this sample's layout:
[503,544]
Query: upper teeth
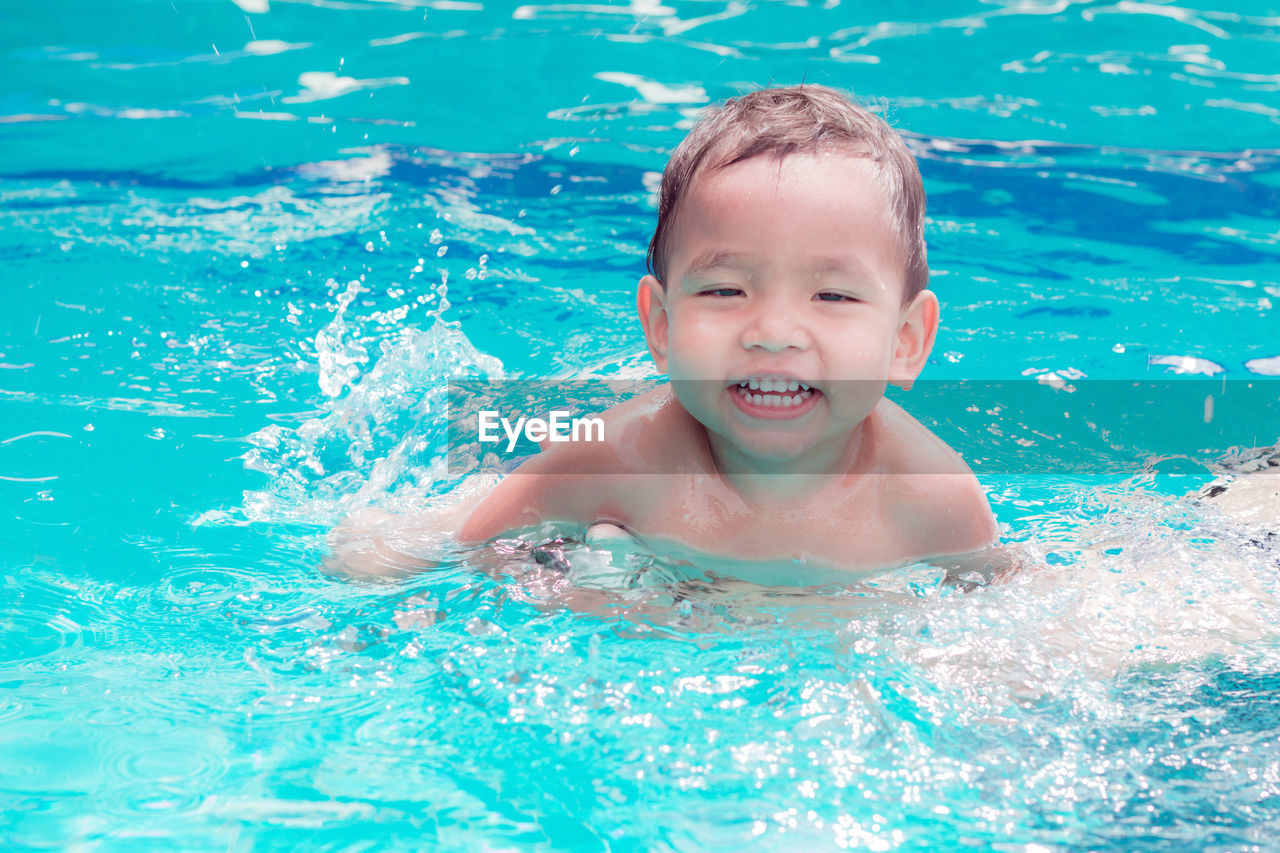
[774,385]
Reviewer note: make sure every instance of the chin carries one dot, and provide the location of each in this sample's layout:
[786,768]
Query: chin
[770,450]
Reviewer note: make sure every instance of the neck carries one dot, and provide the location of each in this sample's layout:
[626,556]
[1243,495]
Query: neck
[766,481]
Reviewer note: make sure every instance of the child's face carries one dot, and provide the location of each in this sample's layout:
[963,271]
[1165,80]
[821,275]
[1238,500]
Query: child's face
[785,271]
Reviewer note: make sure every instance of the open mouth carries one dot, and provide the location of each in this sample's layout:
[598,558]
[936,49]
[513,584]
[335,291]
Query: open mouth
[774,396]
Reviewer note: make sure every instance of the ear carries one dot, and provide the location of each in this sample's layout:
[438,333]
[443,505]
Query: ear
[651,301]
[917,327]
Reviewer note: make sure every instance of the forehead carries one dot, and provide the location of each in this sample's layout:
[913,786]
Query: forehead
[837,169]
[805,207]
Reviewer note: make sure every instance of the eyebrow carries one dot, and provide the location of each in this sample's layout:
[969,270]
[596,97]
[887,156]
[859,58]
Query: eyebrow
[712,259]
[850,266]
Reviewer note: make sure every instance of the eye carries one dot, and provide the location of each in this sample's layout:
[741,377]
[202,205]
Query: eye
[721,291]
[832,296]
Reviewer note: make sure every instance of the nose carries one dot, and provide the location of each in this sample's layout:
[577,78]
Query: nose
[775,326]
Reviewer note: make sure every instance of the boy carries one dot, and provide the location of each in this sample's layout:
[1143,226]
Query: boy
[787,287]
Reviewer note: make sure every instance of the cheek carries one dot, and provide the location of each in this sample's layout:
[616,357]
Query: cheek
[698,334]
[864,346]
[862,364]
[686,353]
[696,396]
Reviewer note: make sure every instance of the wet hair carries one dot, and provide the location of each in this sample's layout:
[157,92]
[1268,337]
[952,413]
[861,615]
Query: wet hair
[797,119]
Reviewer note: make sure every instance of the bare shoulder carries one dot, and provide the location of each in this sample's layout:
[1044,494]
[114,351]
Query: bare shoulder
[586,481]
[933,496]
[650,426]
[910,447]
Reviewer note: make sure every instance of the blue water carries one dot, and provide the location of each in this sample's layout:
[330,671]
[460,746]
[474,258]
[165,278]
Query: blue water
[245,244]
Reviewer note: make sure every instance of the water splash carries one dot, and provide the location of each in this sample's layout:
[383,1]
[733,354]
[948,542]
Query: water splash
[383,441]
[340,355]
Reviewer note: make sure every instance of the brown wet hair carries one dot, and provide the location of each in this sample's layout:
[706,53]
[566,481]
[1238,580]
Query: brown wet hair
[789,120]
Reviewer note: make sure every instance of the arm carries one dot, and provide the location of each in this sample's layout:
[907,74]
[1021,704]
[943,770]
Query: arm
[373,543]
[376,544]
[552,486]
[557,485]
[576,482]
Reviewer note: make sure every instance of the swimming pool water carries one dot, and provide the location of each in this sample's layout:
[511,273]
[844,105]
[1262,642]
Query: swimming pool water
[246,243]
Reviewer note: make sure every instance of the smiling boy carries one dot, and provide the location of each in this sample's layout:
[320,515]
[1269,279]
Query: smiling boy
[787,288]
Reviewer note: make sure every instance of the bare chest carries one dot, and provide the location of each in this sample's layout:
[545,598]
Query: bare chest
[853,528]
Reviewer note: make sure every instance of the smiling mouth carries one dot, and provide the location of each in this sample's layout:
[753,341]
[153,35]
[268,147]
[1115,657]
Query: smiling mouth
[775,393]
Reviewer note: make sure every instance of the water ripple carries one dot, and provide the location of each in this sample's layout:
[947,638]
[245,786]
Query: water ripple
[48,620]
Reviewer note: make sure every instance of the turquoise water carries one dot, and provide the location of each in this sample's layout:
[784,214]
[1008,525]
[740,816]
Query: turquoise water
[246,243]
